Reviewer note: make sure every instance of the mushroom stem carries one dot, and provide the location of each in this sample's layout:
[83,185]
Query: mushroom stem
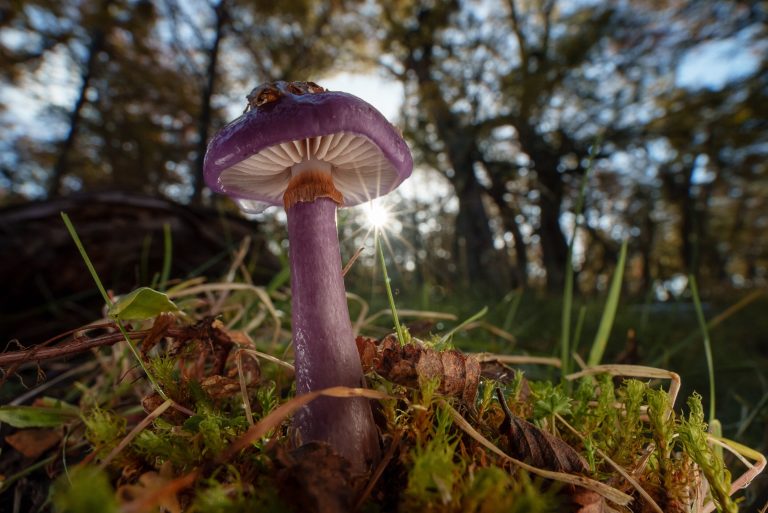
[323,341]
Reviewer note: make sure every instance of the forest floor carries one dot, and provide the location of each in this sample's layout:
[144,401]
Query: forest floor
[182,401]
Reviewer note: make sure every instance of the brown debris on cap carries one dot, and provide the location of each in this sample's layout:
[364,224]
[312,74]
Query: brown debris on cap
[272,91]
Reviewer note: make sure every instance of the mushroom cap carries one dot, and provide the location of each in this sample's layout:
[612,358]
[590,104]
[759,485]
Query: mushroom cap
[250,159]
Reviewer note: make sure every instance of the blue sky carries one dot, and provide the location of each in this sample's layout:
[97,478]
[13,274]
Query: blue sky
[715,64]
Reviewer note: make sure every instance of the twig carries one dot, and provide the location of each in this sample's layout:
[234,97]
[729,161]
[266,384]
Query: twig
[78,345]
[135,431]
[48,384]
[48,353]
[37,347]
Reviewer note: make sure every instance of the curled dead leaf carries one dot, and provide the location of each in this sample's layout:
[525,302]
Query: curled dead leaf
[408,364]
[544,450]
[152,485]
[219,387]
[537,447]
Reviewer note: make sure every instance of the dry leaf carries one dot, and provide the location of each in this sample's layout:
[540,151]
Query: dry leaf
[159,330]
[33,442]
[576,480]
[149,484]
[219,387]
[406,365]
[588,501]
[544,450]
[537,447]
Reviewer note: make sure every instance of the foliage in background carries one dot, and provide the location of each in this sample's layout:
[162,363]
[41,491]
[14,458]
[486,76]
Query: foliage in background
[503,102]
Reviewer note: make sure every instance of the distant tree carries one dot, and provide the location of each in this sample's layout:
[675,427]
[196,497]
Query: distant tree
[508,99]
[257,42]
[715,176]
[150,81]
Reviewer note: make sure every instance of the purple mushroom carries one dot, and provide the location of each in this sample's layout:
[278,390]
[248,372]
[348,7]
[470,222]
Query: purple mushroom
[312,151]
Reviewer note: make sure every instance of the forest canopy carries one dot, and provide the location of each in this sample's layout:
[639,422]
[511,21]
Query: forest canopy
[658,108]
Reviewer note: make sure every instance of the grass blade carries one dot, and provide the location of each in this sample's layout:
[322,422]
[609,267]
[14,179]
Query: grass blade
[86,259]
[514,298]
[461,326]
[401,336]
[579,328]
[167,256]
[108,301]
[707,345]
[609,312]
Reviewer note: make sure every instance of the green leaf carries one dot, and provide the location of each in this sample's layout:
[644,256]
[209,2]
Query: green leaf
[142,303]
[33,416]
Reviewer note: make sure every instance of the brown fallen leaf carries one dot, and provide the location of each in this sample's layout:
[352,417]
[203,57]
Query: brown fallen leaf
[219,387]
[406,365]
[537,447]
[543,450]
[588,501]
[33,442]
[149,484]
[157,332]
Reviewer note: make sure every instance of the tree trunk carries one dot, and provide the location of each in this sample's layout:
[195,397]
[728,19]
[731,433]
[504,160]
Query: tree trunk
[554,249]
[204,121]
[483,266]
[61,166]
[474,240]
[509,219]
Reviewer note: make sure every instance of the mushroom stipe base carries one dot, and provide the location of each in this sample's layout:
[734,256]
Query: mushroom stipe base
[323,340]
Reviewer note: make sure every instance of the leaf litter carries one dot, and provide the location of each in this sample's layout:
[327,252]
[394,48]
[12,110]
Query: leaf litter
[453,437]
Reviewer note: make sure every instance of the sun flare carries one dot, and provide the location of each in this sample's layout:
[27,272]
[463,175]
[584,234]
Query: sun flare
[377,216]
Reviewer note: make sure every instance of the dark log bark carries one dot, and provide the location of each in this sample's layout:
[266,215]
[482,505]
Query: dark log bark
[47,286]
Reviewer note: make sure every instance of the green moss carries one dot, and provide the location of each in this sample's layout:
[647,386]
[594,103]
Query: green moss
[434,469]
[492,490]
[104,430]
[166,442]
[85,490]
[692,433]
[549,400]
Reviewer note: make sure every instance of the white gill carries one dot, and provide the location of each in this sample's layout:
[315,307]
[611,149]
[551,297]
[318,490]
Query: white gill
[360,171]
